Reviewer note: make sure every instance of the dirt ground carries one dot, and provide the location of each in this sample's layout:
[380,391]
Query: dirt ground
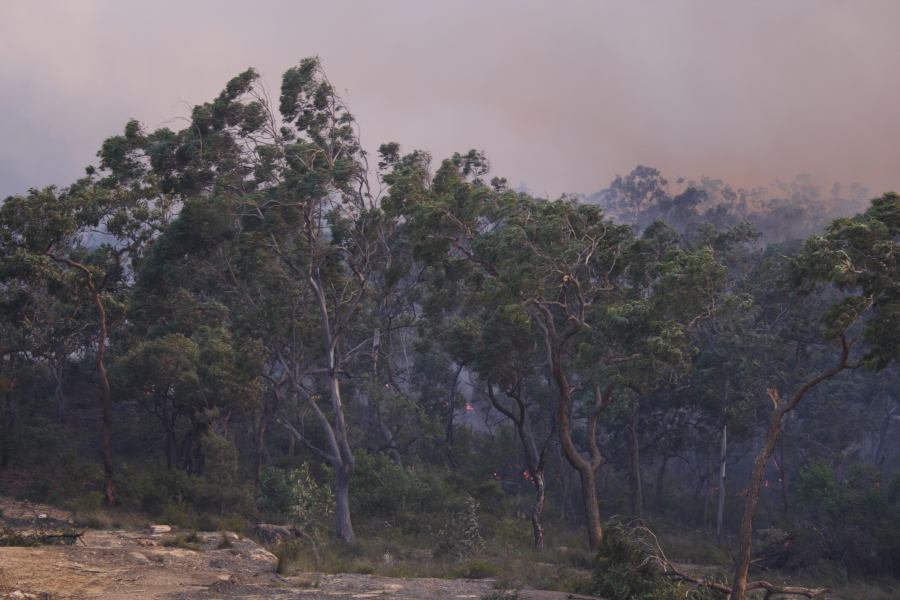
[136,565]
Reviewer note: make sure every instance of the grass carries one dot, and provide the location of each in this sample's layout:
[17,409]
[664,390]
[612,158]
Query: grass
[867,591]
[224,541]
[186,541]
[563,566]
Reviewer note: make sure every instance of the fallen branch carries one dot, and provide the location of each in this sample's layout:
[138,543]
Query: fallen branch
[655,553]
[43,537]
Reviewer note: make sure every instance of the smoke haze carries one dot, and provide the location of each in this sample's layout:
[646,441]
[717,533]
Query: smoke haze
[561,95]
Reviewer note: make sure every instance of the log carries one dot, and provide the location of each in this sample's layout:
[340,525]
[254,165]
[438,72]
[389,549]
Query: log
[39,537]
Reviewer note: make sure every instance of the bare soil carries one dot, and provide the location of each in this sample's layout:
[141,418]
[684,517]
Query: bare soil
[137,565]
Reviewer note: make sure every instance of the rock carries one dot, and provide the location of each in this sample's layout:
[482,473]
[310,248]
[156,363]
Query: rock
[273,535]
[42,516]
[139,558]
[158,529]
[20,595]
[143,542]
[262,555]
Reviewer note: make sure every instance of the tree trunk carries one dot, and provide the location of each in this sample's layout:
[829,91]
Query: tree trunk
[343,525]
[660,480]
[9,419]
[742,568]
[634,459]
[537,525]
[742,564]
[782,470]
[451,415]
[591,508]
[722,453]
[534,458]
[707,500]
[105,389]
[586,468]
[58,392]
[106,395]
[261,445]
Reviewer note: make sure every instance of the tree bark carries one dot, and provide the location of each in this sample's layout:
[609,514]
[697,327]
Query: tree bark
[343,525]
[8,423]
[782,470]
[742,564]
[720,516]
[261,430]
[660,480]
[106,395]
[59,393]
[634,461]
[537,511]
[586,468]
[742,569]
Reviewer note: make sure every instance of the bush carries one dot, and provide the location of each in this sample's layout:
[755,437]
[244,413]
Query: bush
[622,571]
[184,497]
[386,490]
[294,495]
[90,502]
[476,568]
[189,541]
[852,522]
[460,536]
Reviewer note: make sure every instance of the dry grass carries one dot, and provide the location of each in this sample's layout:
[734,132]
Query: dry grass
[559,567]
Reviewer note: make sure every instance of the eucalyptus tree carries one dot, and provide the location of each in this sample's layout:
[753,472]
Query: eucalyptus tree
[303,232]
[554,261]
[641,340]
[857,257]
[499,344]
[91,234]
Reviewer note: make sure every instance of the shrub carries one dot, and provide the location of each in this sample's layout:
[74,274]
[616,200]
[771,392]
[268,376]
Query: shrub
[88,503]
[224,541]
[189,541]
[460,537]
[852,522]
[623,571]
[476,568]
[295,496]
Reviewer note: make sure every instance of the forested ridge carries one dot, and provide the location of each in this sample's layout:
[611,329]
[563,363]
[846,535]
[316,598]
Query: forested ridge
[252,320]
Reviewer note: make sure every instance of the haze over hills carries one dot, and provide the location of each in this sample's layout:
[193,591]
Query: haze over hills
[562,99]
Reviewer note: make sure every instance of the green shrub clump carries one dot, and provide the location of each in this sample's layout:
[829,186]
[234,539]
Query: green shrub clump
[624,571]
[294,496]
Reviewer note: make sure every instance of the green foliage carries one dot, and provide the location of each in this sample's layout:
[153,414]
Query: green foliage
[859,256]
[460,535]
[853,521]
[182,498]
[251,281]
[397,495]
[477,568]
[187,541]
[294,495]
[623,571]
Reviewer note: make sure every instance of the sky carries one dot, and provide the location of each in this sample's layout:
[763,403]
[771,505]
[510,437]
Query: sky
[561,95]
